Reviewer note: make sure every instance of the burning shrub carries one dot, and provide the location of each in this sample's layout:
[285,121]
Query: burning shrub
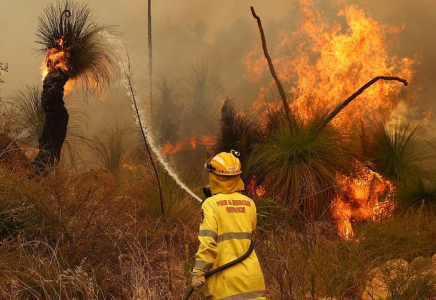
[300,167]
[72,41]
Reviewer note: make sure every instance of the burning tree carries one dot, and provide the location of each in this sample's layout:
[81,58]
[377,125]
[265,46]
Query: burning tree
[314,160]
[75,49]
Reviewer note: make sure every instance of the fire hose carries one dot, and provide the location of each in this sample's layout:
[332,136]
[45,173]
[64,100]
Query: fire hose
[207,192]
[223,267]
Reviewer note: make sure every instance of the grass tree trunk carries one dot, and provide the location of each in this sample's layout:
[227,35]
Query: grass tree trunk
[56,120]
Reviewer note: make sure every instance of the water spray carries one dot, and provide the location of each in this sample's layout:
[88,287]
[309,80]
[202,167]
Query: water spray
[131,92]
[168,167]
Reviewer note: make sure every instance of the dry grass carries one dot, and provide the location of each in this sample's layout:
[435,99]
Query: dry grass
[88,236]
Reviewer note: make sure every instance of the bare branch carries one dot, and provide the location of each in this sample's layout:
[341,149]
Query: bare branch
[129,80]
[271,68]
[341,106]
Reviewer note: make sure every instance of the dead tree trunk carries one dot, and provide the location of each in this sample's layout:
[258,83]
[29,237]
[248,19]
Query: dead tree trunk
[150,58]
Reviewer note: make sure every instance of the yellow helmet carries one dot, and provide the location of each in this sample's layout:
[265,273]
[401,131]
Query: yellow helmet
[225,164]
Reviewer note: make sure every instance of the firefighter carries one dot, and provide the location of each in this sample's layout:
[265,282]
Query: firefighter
[227,225]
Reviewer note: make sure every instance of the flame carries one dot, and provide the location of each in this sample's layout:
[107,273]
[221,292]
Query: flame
[320,65]
[257,191]
[169,149]
[58,58]
[359,199]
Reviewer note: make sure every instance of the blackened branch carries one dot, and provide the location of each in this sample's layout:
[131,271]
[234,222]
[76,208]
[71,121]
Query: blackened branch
[341,106]
[271,67]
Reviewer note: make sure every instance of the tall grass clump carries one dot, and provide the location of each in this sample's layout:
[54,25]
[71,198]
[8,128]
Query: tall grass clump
[236,132]
[419,194]
[400,153]
[111,146]
[30,116]
[300,167]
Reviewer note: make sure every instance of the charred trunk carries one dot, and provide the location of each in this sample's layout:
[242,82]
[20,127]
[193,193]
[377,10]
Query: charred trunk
[56,121]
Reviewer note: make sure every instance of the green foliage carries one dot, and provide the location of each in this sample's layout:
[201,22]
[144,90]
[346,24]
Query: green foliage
[418,193]
[187,266]
[91,56]
[401,153]
[300,167]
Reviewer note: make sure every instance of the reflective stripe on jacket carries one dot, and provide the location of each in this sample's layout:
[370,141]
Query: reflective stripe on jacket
[228,222]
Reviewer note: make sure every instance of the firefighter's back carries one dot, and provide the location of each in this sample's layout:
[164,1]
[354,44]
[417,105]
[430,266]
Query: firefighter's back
[236,220]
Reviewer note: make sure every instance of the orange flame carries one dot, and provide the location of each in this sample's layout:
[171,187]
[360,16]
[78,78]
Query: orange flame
[169,149]
[320,65]
[359,199]
[257,191]
[58,58]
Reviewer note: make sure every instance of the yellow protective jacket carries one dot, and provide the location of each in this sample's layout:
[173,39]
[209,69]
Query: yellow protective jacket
[228,222]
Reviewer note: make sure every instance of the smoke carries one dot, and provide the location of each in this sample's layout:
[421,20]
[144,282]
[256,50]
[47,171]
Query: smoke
[141,115]
[219,32]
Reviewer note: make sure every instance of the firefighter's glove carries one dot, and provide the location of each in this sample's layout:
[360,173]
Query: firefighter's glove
[198,280]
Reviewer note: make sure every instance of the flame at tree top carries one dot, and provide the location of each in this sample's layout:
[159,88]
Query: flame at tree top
[322,64]
[58,58]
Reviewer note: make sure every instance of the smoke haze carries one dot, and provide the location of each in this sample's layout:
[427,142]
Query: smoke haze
[189,32]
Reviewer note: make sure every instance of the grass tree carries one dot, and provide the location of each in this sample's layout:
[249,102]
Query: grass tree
[400,153]
[75,49]
[299,166]
[236,132]
[167,118]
